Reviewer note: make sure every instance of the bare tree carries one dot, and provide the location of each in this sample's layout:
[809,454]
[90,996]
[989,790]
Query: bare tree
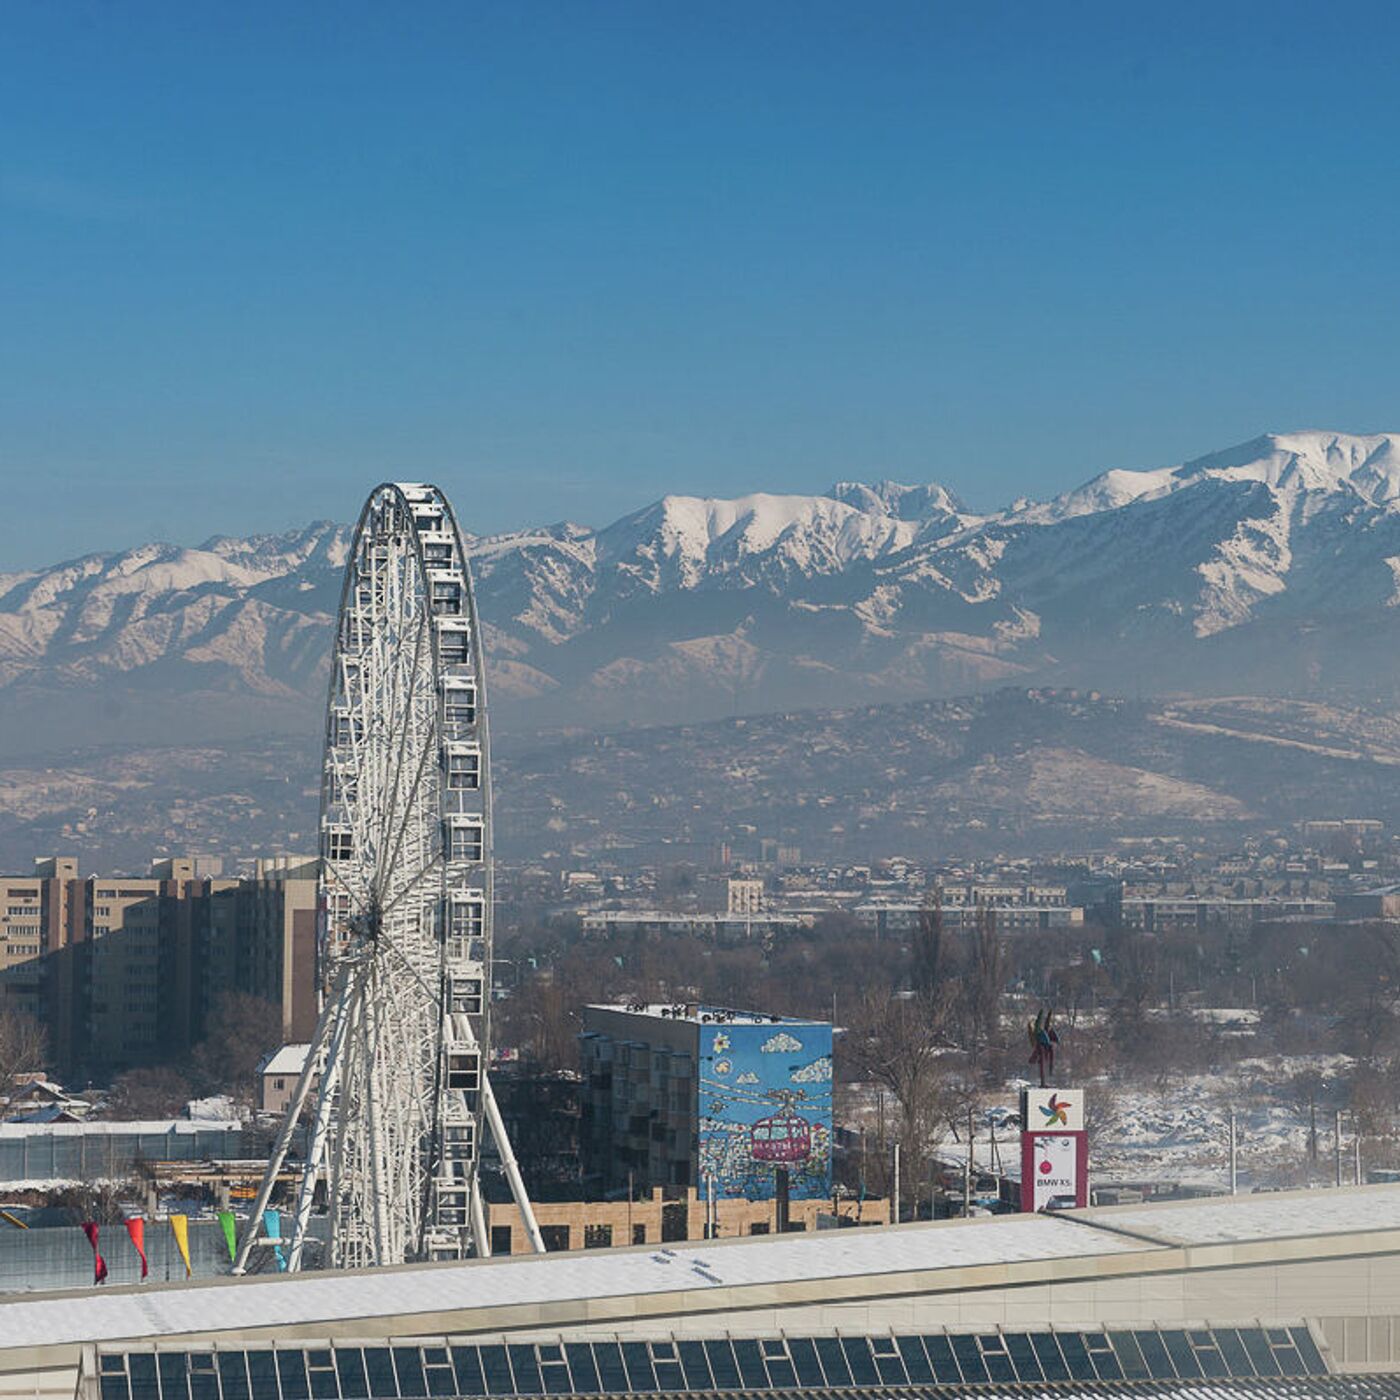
[155,1092]
[899,1044]
[241,1031]
[106,1202]
[928,946]
[984,984]
[23,1046]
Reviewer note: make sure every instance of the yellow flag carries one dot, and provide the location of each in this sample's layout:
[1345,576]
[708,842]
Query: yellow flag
[180,1224]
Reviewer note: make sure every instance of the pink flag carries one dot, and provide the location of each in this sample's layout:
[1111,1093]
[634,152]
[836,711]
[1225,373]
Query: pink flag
[99,1264]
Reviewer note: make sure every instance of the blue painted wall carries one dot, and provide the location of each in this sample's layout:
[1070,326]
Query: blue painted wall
[765,1102]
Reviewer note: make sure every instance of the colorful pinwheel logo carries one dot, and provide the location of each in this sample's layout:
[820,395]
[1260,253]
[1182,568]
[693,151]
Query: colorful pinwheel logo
[1054,1111]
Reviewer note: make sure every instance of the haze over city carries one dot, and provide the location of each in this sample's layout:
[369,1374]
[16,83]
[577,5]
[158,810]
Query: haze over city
[698,701]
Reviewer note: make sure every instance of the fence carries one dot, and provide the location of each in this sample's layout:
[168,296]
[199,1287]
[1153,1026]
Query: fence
[89,1151]
[57,1257]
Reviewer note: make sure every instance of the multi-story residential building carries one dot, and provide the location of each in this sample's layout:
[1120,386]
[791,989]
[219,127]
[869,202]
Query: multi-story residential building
[744,896]
[1164,913]
[890,918]
[735,1103]
[125,970]
[35,919]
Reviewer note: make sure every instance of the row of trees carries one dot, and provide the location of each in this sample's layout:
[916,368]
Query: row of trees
[936,1017]
[239,1032]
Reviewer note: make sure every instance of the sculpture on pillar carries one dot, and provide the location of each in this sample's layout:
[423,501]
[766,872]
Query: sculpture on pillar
[1041,1033]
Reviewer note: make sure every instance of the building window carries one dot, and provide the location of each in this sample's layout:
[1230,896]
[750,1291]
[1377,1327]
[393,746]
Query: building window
[639,1234]
[339,845]
[500,1239]
[556,1238]
[597,1236]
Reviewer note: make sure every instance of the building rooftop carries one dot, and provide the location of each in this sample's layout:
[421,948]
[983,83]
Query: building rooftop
[290,1059]
[765,1271]
[701,1013]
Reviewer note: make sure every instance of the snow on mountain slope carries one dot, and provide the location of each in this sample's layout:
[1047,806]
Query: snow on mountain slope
[690,541]
[695,605]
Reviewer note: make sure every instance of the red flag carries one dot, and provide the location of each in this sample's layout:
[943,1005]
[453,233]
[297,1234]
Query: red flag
[136,1228]
[99,1264]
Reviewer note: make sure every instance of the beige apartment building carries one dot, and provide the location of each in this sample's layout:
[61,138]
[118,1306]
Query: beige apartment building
[125,970]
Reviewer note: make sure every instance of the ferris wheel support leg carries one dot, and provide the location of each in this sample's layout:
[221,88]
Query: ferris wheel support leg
[510,1165]
[284,1136]
[316,1147]
[481,1236]
[369,1031]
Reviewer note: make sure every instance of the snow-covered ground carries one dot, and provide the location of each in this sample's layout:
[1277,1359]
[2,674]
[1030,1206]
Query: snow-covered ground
[1178,1133]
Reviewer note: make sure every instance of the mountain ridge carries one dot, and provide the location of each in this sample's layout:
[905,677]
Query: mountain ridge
[1257,566]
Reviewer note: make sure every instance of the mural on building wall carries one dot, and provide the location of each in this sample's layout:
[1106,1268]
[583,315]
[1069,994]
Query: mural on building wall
[765,1104]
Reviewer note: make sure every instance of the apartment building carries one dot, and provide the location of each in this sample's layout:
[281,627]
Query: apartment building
[125,970]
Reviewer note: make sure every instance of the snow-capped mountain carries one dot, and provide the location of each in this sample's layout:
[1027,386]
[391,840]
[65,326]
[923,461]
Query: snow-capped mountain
[1272,565]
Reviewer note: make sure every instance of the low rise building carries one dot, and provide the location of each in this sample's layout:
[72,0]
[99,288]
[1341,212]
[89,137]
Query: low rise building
[734,1103]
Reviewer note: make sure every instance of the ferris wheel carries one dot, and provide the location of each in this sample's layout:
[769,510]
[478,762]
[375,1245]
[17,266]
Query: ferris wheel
[397,1068]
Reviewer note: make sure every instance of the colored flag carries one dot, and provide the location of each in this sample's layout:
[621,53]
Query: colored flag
[230,1232]
[180,1227]
[99,1264]
[136,1228]
[272,1225]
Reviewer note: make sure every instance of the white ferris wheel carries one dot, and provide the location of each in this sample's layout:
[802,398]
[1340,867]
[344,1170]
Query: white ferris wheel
[397,1069]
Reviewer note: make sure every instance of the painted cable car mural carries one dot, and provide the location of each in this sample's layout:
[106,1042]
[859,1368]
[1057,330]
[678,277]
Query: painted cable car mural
[783,1137]
[765,1107]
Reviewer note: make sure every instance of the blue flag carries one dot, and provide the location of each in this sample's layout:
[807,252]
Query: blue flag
[272,1227]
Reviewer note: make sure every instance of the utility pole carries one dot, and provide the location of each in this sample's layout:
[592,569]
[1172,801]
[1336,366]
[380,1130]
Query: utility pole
[1337,1146]
[1234,1157]
[895,1221]
[1356,1155]
[967,1168]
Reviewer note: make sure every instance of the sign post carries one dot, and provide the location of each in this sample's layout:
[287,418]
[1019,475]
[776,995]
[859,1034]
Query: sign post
[1054,1149]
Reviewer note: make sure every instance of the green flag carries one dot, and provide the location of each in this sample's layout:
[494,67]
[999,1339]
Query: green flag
[230,1232]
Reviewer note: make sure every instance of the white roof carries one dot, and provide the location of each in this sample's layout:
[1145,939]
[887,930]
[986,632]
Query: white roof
[696,1012]
[288,1060]
[119,1128]
[311,1301]
[327,1298]
[1269,1215]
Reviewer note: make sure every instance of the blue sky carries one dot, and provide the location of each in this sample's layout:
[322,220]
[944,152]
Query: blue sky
[564,257]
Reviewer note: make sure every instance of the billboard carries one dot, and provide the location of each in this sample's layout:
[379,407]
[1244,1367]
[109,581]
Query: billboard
[1044,1110]
[1054,1149]
[765,1106]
